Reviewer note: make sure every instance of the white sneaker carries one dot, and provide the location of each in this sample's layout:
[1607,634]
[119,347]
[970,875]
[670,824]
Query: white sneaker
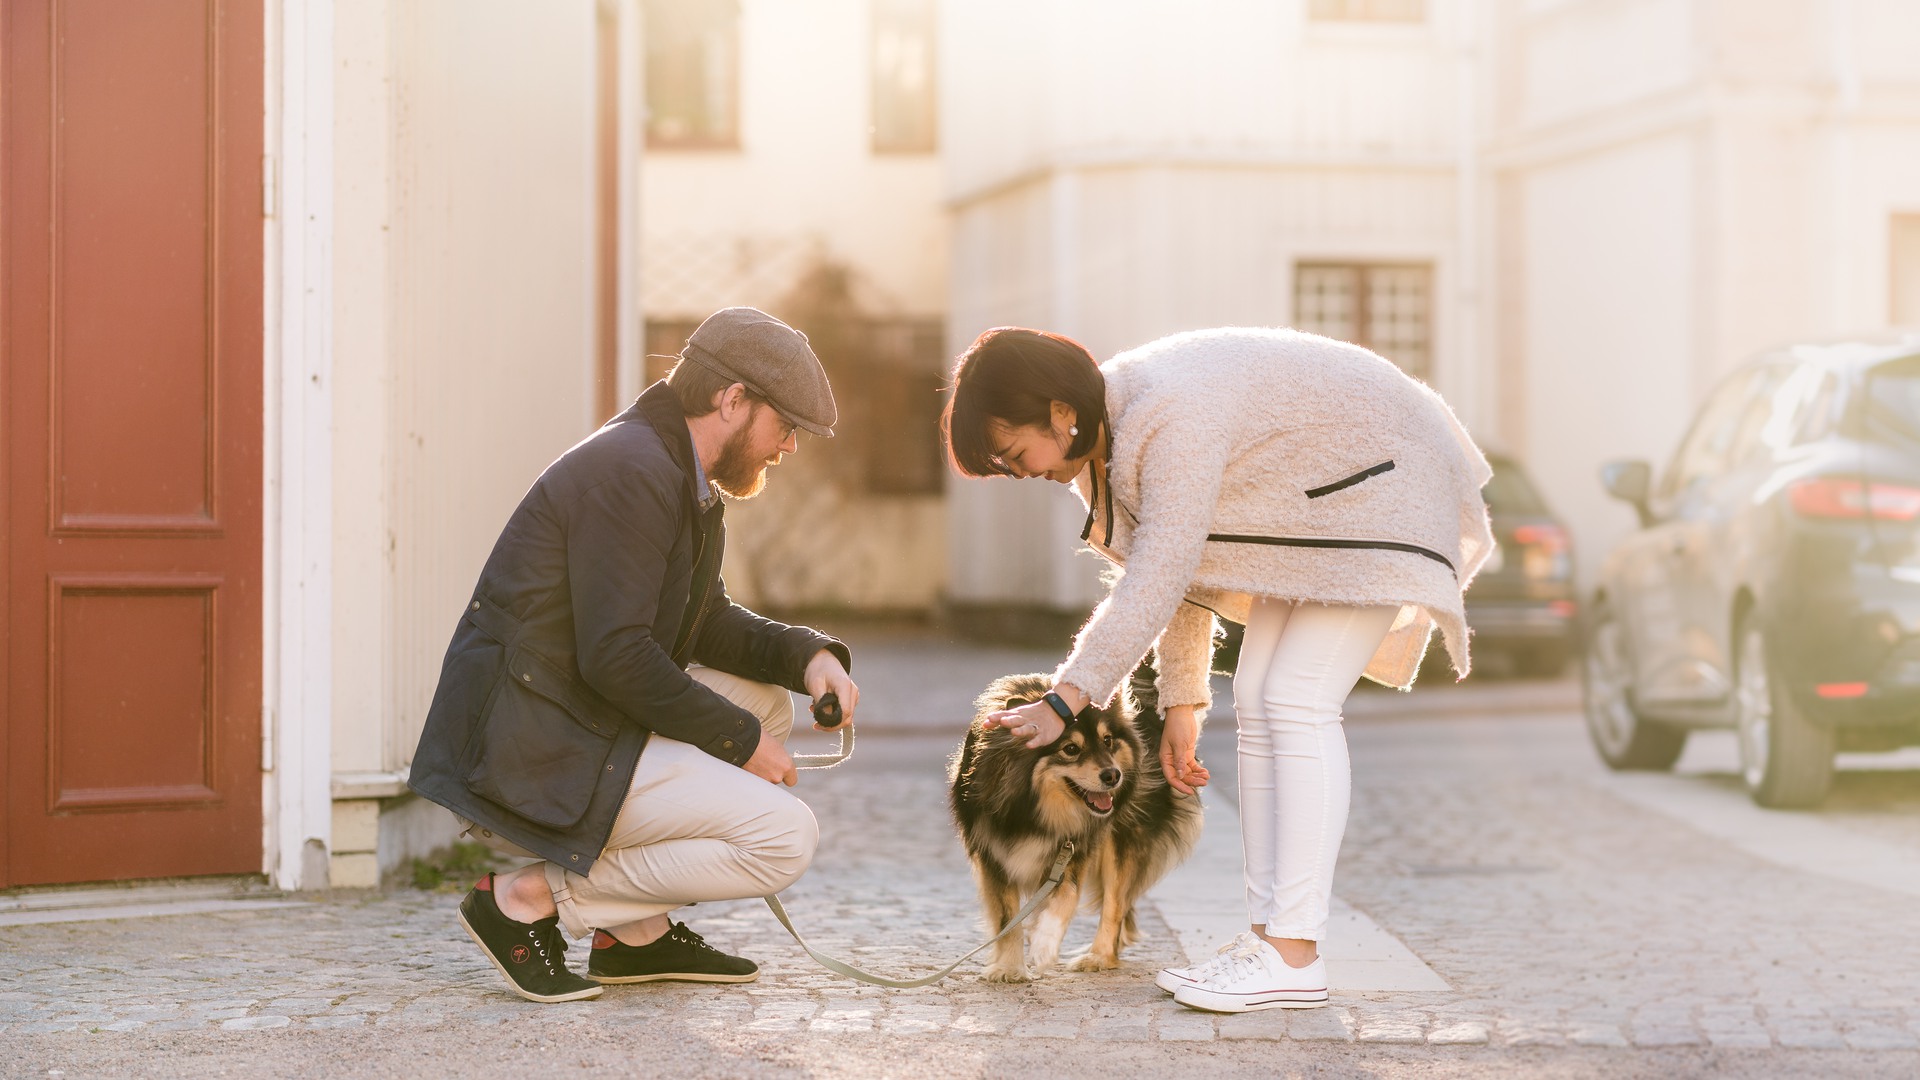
[1254,977]
[1173,978]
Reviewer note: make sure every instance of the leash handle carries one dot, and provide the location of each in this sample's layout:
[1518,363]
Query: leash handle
[828,714]
[841,967]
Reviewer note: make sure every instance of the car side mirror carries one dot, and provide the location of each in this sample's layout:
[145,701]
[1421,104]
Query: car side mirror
[1630,482]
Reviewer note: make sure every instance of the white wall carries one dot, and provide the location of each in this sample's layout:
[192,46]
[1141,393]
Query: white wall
[1610,323]
[1124,170]
[721,227]
[463,314]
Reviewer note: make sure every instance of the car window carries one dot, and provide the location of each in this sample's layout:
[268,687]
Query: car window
[1510,492]
[1816,420]
[1772,399]
[1704,451]
[1893,400]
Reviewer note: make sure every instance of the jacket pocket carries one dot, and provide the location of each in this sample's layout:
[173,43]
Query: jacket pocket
[1342,485]
[543,742]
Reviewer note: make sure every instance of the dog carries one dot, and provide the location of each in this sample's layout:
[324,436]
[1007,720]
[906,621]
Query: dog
[1100,785]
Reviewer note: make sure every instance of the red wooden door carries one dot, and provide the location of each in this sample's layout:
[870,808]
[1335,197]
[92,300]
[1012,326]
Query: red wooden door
[131,398]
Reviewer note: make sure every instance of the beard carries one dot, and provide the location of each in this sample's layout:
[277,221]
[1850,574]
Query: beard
[738,472]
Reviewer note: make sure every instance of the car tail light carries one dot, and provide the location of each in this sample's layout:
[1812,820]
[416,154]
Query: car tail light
[1543,551]
[1830,498]
[1841,689]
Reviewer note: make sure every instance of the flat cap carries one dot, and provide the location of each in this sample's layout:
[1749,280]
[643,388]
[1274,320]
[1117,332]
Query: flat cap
[749,346]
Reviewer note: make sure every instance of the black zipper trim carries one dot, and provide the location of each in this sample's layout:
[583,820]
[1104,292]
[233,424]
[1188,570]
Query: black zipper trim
[1333,542]
[1342,485]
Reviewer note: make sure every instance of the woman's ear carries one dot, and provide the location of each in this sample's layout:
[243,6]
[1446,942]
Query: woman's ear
[1064,416]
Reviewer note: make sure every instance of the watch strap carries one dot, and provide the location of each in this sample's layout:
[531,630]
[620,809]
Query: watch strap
[1059,705]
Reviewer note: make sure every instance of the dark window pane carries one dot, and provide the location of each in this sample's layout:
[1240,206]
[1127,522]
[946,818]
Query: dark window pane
[1510,492]
[693,73]
[1893,401]
[903,98]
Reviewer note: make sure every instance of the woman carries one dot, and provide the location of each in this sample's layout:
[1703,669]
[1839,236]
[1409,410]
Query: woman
[1303,487]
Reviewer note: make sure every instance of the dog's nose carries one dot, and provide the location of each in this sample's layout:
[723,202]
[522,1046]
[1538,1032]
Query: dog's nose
[1110,777]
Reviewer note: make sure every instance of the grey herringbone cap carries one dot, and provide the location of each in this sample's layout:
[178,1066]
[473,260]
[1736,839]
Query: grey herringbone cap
[773,359]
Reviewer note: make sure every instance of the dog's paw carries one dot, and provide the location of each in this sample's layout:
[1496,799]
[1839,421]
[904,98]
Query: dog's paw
[1006,973]
[1089,961]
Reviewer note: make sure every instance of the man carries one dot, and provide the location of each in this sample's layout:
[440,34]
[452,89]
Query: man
[604,706]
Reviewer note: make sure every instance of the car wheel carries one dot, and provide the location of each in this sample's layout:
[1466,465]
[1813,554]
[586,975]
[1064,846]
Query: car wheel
[1624,738]
[1786,760]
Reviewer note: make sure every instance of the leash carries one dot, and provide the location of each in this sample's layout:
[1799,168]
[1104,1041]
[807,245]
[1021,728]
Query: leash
[827,713]
[841,967]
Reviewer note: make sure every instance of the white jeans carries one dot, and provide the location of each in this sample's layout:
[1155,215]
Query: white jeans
[1297,664]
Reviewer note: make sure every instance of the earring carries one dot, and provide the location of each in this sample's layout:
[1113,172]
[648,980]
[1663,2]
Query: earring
[1073,430]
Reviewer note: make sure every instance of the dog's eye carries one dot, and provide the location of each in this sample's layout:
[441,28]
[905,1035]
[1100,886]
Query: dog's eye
[1106,741]
[1070,750]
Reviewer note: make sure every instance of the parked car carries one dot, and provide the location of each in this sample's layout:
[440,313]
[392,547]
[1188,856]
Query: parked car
[1521,605]
[1774,584]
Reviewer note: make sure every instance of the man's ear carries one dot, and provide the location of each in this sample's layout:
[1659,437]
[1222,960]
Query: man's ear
[731,400]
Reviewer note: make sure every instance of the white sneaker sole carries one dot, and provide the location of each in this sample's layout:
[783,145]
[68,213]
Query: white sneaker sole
[1195,996]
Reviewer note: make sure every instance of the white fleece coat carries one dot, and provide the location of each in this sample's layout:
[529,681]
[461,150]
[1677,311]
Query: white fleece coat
[1274,463]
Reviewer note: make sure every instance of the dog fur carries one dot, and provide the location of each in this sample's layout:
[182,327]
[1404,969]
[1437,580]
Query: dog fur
[1014,806]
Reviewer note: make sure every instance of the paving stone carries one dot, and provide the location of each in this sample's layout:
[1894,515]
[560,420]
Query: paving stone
[256,1023]
[1320,1025]
[1465,1034]
[336,1021]
[1184,1025]
[1808,1036]
[1391,1031]
[1271,1024]
[1881,1038]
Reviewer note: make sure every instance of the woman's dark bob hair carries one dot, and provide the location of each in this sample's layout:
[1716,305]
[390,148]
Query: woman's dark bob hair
[1014,375]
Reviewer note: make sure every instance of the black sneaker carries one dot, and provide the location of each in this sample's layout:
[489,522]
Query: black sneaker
[677,954]
[533,956]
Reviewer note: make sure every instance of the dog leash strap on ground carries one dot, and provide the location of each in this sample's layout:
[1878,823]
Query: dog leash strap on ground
[851,972]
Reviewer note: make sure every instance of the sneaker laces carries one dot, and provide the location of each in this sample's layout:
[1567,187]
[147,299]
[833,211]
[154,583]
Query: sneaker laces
[1221,956]
[1247,958]
[550,944]
[685,935]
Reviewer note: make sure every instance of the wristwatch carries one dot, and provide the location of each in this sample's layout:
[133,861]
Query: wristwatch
[1059,705]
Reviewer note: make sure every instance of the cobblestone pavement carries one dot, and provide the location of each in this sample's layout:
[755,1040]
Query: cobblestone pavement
[1581,933]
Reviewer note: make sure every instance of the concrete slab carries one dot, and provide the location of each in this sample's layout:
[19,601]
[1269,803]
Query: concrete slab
[1200,901]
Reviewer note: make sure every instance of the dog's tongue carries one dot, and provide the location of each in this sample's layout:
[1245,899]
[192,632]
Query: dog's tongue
[1101,800]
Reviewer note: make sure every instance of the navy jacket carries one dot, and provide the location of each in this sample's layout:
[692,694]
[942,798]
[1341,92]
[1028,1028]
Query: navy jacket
[603,587]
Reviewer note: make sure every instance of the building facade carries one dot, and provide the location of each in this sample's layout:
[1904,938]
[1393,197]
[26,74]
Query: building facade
[792,165]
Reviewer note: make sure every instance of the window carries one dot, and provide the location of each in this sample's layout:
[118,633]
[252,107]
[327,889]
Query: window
[1367,10]
[894,399]
[693,74]
[886,373]
[1386,307]
[903,102]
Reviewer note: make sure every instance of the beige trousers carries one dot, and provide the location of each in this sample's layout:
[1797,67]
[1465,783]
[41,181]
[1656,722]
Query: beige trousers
[692,828]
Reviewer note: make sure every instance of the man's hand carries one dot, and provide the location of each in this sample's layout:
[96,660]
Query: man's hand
[772,763]
[1178,743]
[825,676]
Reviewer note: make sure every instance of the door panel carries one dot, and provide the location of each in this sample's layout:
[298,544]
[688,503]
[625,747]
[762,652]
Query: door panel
[130,388]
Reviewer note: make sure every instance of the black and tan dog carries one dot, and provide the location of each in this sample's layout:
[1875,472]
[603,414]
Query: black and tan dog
[1100,785]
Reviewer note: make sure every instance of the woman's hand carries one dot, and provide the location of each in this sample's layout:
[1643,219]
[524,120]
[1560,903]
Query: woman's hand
[1178,744]
[1037,723]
